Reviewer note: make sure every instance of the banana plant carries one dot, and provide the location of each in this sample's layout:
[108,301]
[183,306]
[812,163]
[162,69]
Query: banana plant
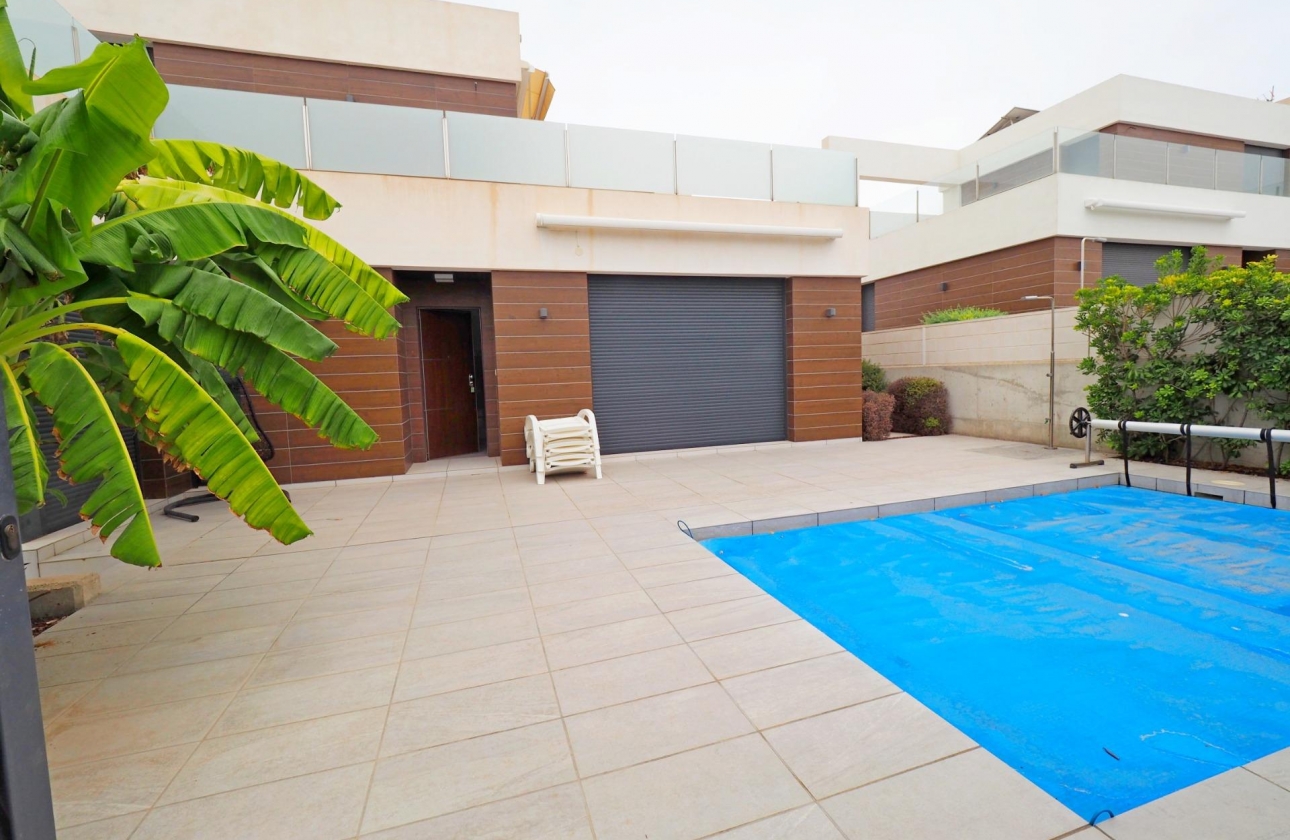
[185,261]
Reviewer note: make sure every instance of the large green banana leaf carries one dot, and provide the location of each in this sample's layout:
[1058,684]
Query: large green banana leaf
[282,380]
[200,434]
[233,305]
[369,280]
[30,474]
[310,275]
[97,136]
[13,74]
[90,447]
[256,273]
[244,172]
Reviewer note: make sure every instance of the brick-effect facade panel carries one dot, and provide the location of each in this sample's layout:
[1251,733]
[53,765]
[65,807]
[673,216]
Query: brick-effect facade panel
[998,280]
[543,366]
[824,381]
[183,64]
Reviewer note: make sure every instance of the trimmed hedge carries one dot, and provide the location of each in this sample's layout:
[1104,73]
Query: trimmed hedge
[877,415]
[960,313]
[922,406]
[873,376]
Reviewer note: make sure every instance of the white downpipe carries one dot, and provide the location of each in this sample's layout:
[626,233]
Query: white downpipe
[551,220]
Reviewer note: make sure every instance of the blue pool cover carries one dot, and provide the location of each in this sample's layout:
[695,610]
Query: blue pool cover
[1112,645]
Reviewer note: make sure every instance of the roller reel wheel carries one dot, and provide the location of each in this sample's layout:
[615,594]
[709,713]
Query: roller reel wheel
[1079,423]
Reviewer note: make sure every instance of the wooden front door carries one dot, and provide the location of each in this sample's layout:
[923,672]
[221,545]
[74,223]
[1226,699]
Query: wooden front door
[448,366]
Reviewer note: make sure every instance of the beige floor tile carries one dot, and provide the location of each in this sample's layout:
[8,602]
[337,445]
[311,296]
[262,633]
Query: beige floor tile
[697,593]
[609,641]
[59,641]
[281,752]
[188,626]
[458,715]
[445,589]
[439,639]
[809,823]
[1275,768]
[436,781]
[582,589]
[146,589]
[79,667]
[150,688]
[764,647]
[320,806]
[685,571]
[448,567]
[630,733]
[557,813]
[279,573]
[76,740]
[572,569]
[791,692]
[972,796]
[472,606]
[1236,805]
[275,705]
[102,789]
[334,658]
[268,563]
[692,794]
[336,603]
[292,590]
[664,556]
[116,828]
[729,617]
[56,699]
[628,678]
[468,668]
[837,751]
[205,648]
[405,577]
[338,628]
[594,612]
[97,615]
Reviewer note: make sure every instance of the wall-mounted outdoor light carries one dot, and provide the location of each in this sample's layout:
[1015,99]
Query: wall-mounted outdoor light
[442,278]
[945,287]
[830,312]
[542,313]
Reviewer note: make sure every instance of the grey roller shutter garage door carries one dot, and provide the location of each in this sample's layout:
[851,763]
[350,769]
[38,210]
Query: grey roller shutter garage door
[1136,264]
[685,362]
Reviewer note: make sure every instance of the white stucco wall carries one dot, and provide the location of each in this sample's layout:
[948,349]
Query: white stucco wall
[432,223]
[426,35]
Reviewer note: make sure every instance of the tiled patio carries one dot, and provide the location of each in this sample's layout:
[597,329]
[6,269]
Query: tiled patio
[465,654]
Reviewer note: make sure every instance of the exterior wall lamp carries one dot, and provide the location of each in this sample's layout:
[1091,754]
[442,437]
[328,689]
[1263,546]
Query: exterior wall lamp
[830,312]
[542,313]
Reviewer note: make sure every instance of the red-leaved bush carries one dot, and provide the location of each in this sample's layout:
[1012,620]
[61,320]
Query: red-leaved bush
[922,406]
[877,415]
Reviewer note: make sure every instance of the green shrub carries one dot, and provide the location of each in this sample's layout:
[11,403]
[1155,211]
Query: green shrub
[878,407]
[922,406]
[960,313]
[873,376]
[1201,345]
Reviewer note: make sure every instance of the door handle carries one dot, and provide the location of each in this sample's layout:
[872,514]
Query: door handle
[470,380]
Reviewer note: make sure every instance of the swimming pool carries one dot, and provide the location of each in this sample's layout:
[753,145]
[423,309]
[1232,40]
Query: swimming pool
[1112,645]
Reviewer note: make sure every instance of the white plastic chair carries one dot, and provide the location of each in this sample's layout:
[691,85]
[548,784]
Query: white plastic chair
[563,443]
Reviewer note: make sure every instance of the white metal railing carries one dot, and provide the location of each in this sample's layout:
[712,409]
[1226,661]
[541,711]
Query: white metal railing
[392,140]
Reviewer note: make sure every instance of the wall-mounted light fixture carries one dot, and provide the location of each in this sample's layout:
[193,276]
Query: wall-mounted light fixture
[945,287]
[542,313]
[442,278]
[830,312]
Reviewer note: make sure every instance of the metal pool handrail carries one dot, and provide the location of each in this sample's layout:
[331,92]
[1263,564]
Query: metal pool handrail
[1081,422]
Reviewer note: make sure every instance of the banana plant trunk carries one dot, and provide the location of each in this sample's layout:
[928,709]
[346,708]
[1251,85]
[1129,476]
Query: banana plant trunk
[26,807]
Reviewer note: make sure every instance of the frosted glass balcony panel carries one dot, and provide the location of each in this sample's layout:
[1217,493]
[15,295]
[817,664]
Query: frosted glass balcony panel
[505,149]
[725,168]
[615,159]
[379,139]
[266,123]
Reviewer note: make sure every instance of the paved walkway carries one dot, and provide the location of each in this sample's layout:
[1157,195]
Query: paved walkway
[469,655]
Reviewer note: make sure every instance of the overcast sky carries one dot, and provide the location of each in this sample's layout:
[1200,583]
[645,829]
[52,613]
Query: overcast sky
[932,72]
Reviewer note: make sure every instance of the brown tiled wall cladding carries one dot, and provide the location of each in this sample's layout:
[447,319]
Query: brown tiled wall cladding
[182,64]
[823,358]
[999,279]
[543,366]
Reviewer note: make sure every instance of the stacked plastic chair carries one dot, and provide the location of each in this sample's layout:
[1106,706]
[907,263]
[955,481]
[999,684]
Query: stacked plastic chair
[565,443]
